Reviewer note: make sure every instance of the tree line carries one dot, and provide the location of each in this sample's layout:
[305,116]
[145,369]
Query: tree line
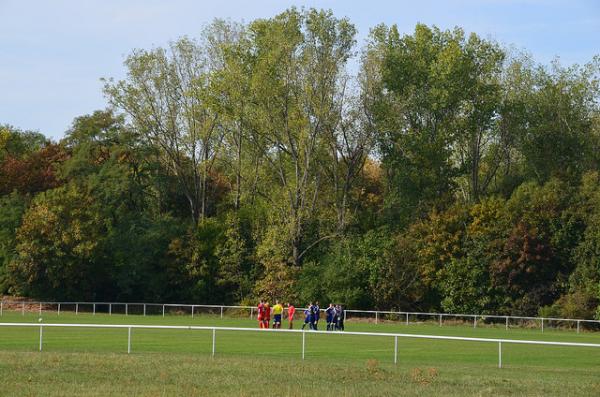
[279,158]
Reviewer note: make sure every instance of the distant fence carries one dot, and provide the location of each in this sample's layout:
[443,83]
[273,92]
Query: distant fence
[215,329]
[377,316]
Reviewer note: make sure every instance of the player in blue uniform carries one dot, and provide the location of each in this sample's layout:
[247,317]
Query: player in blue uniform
[308,317]
[330,317]
[316,315]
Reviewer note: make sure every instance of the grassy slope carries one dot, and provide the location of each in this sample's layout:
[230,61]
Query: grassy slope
[93,362]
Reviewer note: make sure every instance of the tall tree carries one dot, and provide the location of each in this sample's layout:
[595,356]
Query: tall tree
[298,88]
[435,113]
[553,116]
[165,97]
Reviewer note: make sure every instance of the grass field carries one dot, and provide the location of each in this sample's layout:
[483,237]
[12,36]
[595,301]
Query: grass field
[178,362]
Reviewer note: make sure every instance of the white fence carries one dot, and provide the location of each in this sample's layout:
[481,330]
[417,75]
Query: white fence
[302,332]
[506,321]
[144,309]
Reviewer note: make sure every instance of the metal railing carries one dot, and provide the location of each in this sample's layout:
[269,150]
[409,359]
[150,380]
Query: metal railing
[376,315]
[507,321]
[215,329]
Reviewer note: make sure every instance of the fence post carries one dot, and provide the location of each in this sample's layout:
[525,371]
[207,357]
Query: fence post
[221,311]
[542,325]
[214,341]
[577,326]
[499,354]
[58,310]
[440,320]
[110,309]
[144,309]
[395,349]
[507,322]
[345,311]
[40,308]
[41,336]
[475,321]
[303,342]
[251,313]
[406,318]
[128,340]
[22,308]
[1,307]
[76,308]
[376,317]
[192,311]
[93,309]
[163,310]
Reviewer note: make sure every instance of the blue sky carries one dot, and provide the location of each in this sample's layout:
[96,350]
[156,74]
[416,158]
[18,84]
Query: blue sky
[53,53]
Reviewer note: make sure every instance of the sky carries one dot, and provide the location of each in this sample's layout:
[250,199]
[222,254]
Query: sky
[53,53]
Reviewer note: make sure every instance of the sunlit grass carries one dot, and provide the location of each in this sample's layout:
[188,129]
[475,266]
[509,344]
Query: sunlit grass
[178,362]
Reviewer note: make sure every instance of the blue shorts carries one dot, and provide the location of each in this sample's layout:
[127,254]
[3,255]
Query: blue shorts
[277,318]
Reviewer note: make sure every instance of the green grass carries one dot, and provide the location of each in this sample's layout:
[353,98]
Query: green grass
[178,362]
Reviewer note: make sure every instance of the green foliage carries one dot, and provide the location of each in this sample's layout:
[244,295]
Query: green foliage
[560,140]
[465,281]
[58,246]
[372,269]
[17,143]
[436,114]
[12,208]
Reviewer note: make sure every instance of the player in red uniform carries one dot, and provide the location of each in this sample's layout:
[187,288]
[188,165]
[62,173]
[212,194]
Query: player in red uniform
[266,315]
[291,310]
[259,313]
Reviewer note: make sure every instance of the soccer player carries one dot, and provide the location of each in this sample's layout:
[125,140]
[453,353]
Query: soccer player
[259,313]
[266,315]
[316,314]
[339,311]
[330,317]
[308,317]
[277,311]
[291,310]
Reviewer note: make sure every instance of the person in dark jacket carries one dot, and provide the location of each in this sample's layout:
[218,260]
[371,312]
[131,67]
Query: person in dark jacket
[308,317]
[339,313]
[330,317]
[316,310]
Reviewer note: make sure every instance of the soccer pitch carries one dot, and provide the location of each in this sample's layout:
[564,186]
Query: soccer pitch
[178,362]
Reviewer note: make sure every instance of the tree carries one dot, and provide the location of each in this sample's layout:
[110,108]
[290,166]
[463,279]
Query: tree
[34,173]
[526,272]
[297,85]
[58,246]
[234,270]
[12,207]
[551,115]
[230,97]
[465,281]
[435,111]
[477,132]
[165,98]
[583,297]
[17,143]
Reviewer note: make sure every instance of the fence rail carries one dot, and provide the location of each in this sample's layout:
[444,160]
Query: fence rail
[377,315]
[302,332]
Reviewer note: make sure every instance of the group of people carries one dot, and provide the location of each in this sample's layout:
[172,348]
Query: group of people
[334,316]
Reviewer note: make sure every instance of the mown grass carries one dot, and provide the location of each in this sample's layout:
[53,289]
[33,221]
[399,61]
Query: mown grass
[178,362]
